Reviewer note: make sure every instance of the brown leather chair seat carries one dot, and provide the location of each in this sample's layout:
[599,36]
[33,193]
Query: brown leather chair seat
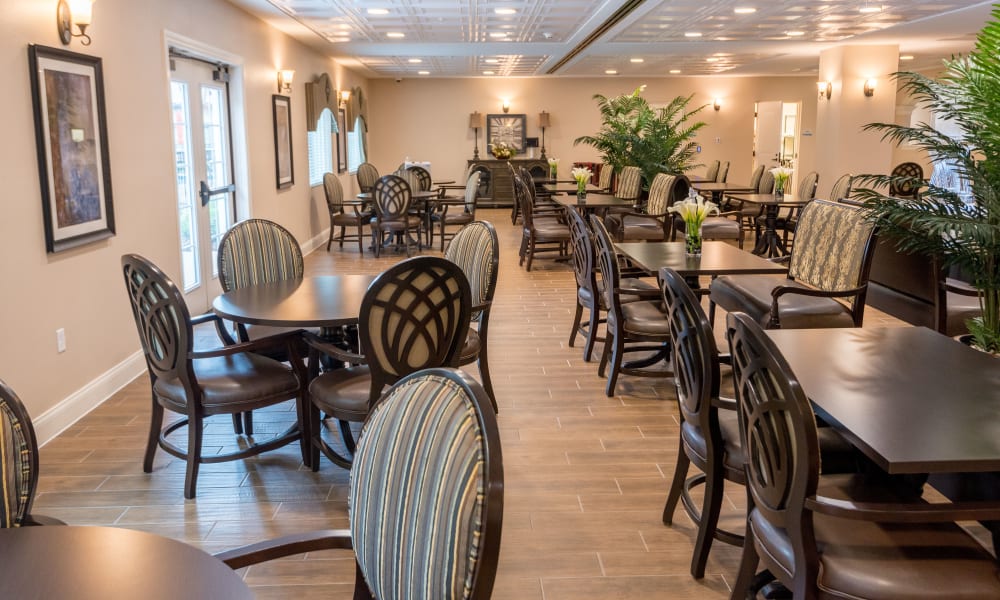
[628,227]
[733,456]
[752,294]
[243,378]
[644,317]
[343,393]
[721,228]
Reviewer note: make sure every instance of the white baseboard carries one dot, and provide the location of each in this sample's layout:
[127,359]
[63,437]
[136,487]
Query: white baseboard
[55,420]
[315,242]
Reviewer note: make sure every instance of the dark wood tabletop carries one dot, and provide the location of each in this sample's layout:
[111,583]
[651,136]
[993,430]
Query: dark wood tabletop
[323,301]
[717,258]
[911,399]
[421,195]
[592,200]
[716,187]
[566,188]
[788,199]
[58,562]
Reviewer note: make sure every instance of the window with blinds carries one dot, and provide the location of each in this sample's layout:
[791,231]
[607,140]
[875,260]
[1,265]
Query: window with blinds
[321,148]
[355,147]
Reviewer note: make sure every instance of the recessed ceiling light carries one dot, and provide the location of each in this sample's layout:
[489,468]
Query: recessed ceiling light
[674,71]
[498,34]
[692,34]
[492,61]
[395,34]
[795,33]
[487,72]
[378,11]
[906,57]
[339,39]
[744,10]
[712,59]
[868,8]
[344,26]
[423,72]
[635,60]
[505,11]
[415,60]
[610,72]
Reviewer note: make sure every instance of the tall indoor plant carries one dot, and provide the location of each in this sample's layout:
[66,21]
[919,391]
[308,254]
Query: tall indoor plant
[657,140]
[962,230]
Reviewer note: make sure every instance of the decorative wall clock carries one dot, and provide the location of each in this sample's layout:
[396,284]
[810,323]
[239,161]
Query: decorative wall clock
[506,128]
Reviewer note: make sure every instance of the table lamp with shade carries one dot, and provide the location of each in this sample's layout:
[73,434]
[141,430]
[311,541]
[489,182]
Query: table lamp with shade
[476,123]
[543,122]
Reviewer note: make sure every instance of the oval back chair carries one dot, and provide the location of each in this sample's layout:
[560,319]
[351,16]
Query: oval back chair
[712,171]
[908,177]
[723,172]
[392,198]
[629,183]
[367,175]
[340,217]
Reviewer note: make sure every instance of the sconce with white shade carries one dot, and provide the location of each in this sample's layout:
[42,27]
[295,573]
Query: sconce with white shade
[870,87]
[70,13]
[717,104]
[285,77]
[343,97]
[825,89]
[543,122]
[505,105]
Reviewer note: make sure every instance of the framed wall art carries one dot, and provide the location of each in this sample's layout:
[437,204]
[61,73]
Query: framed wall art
[506,128]
[283,164]
[341,141]
[71,135]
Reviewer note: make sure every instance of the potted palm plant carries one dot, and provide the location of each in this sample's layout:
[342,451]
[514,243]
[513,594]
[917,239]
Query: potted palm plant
[657,140]
[959,224]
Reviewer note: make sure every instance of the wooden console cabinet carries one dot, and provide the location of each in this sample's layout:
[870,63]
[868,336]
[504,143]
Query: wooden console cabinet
[498,189]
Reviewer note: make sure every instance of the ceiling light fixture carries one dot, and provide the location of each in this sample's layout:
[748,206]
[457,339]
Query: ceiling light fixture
[498,34]
[906,57]
[395,34]
[744,10]
[636,60]
[492,61]
[869,8]
[674,71]
[610,72]
[423,72]
[795,33]
[692,34]
[415,60]
[378,11]
[505,11]
[487,72]
[711,59]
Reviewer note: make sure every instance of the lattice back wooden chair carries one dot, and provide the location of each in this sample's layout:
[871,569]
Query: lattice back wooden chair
[228,380]
[841,189]
[423,178]
[629,185]
[476,250]
[355,218]
[712,171]
[842,536]
[18,464]
[912,179]
[253,252]
[414,316]
[391,198]
[638,326]
[541,235]
[440,540]
[710,436]
[723,172]
[458,214]
[366,175]
[827,274]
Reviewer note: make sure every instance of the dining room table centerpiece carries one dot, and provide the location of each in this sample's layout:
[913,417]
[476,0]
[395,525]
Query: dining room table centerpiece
[502,150]
[782,174]
[553,168]
[582,175]
[693,211]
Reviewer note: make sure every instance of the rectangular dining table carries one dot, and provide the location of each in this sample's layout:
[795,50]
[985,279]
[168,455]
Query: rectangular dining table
[717,258]
[567,188]
[592,202]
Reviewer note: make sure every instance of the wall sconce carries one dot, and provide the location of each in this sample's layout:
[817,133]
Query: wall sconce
[506,105]
[825,89]
[285,77]
[343,96]
[717,104]
[870,87]
[74,12]
[543,122]
[476,122]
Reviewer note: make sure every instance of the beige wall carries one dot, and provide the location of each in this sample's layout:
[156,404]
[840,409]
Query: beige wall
[82,290]
[427,119]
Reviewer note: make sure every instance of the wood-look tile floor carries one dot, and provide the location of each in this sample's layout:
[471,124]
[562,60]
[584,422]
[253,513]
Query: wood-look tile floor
[585,475]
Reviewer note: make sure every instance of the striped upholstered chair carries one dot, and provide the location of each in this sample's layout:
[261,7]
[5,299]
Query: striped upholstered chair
[629,183]
[827,276]
[476,250]
[367,175]
[427,528]
[18,464]
[655,223]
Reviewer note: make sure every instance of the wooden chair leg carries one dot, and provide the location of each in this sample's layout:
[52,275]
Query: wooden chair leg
[676,485]
[595,320]
[194,432]
[743,588]
[237,424]
[710,510]
[617,350]
[347,435]
[484,374]
[576,324]
[248,422]
[155,425]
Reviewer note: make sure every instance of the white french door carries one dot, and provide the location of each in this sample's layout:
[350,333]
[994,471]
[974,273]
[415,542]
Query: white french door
[199,100]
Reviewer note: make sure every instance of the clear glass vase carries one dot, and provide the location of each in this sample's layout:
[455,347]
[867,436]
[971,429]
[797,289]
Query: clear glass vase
[553,171]
[581,188]
[692,238]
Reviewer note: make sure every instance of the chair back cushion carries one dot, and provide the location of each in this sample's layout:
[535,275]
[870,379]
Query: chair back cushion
[659,194]
[258,251]
[629,183]
[426,493]
[472,192]
[832,247]
[476,250]
[765,185]
[841,188]
[414,316]
[583,252]
[18,459]
[334,192]
[609,270]
[162,318]
[712,171]
[756,175]
[391,195]
[367,174]
[723,172]
[807,187]
[522,195]
[606,176]
[778,434]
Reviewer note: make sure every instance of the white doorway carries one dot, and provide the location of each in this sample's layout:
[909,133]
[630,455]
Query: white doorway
[776,135]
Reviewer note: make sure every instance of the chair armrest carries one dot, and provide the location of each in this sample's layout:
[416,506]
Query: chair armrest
[781,290]
[220,327]
[288,545]
[287,340]
[959,287]
[905,512]
[337,353]
[781,260]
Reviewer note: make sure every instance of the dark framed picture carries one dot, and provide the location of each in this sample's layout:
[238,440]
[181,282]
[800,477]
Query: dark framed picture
[283,164]
[71,134]
[341,141]
[506,128]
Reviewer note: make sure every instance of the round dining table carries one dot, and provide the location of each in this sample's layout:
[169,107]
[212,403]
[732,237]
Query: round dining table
[56,562]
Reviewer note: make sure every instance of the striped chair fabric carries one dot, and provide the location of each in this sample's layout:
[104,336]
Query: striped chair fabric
[258,251]
[629,183]
[756,175]
[660,194]
[367,174]
[473,249]
[841,188]
[418,526]
[17,456]
[723,172]
[712,171]
[765,185]
[606,177]
[807,187]
[830,246]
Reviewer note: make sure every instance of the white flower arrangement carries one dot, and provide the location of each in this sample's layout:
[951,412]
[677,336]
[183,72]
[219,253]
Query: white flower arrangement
[553,168]
[502,150]
[693,211]
[781,177]
[581,174]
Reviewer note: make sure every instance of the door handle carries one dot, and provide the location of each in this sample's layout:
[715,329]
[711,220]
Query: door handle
[205,193]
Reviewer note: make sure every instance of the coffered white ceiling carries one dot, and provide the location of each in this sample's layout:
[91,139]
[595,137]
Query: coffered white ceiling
[646,38]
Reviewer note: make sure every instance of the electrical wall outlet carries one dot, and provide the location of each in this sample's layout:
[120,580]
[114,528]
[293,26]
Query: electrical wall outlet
[60,340]
[718,140]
